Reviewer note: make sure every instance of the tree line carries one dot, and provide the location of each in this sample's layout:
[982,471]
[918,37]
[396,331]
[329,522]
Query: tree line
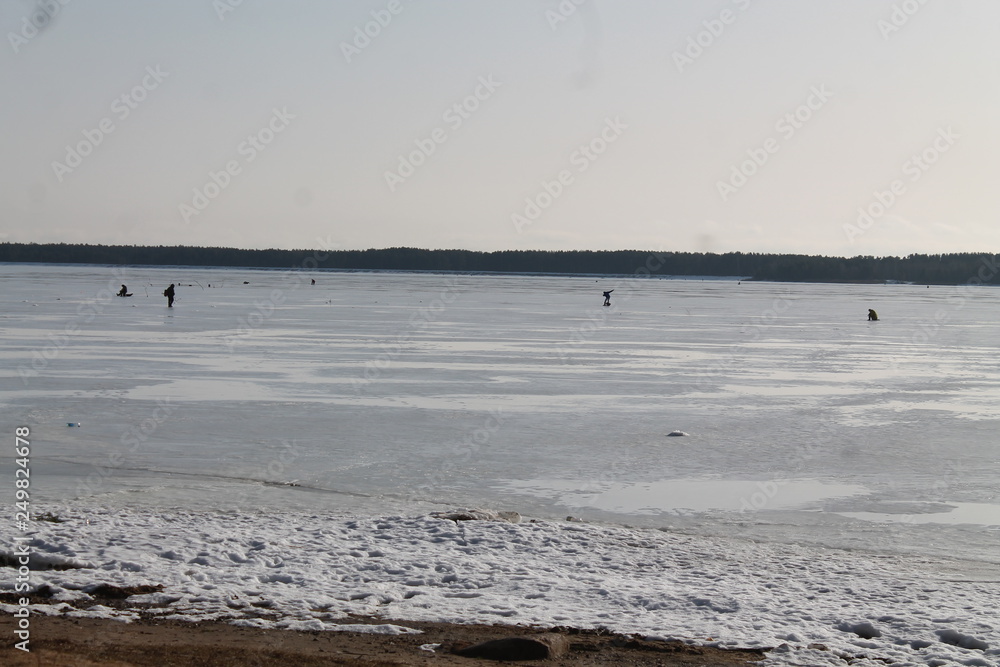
[949,269]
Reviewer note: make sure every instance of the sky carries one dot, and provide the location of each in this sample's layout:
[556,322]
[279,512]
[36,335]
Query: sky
[847,127]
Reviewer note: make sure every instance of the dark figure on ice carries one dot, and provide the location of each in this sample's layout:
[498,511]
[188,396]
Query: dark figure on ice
[169,293]
[607,297]
[123,291]
[872,315]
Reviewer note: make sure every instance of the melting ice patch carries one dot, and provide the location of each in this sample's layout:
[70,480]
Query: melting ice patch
[673,495]
[980,514]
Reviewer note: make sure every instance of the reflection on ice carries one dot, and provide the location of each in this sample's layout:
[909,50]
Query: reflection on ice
[980,514]
[685,495]
[204,389]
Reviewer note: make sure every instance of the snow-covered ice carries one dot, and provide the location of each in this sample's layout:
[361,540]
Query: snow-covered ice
[290,570]
[272,452]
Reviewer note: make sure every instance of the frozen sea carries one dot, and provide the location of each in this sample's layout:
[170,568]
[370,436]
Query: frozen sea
[829,480]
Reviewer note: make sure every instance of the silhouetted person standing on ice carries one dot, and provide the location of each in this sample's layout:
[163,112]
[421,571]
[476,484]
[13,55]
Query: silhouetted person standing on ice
[872,315]
[607,297]
[169,293]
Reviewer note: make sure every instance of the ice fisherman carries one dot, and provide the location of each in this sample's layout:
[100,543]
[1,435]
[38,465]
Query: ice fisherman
[169,293]
[607,297]
[872,315]
[123,291]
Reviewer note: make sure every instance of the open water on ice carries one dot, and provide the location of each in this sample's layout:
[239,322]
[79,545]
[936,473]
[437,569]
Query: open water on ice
[392,391]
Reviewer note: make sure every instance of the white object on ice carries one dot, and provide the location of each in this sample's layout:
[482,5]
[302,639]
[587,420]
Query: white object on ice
[956,638]
[865,630]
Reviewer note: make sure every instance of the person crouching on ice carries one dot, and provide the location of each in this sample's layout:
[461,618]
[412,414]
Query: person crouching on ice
[872,315]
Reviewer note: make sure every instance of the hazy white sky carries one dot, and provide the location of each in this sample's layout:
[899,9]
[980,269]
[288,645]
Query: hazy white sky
[753,125]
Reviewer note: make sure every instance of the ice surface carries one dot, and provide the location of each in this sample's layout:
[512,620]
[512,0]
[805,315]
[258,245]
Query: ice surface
[684,495]
[808,429]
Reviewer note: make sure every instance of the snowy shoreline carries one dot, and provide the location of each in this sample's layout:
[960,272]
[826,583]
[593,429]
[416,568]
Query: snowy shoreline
[285,570]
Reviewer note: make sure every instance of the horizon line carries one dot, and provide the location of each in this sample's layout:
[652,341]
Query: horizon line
[485,252]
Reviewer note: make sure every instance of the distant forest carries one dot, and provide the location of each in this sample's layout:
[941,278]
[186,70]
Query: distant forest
[951,269]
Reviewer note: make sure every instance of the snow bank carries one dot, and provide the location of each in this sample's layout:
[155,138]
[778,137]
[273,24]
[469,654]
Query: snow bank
[310,572]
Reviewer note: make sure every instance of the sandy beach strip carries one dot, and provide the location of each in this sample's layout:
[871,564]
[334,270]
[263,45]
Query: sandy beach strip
[82,642]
